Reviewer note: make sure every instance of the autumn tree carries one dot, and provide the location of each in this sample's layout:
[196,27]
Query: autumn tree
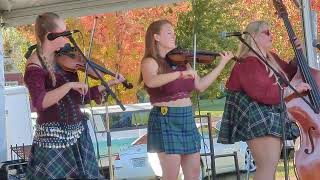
[119,39]
[265,10]
[15,44]
[315,5]
[210,17]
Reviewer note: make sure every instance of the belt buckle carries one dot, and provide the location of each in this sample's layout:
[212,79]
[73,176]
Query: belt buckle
[164,110]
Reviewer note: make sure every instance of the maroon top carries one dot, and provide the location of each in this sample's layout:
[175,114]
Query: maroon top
[39,83]
[177,89]
[250,76]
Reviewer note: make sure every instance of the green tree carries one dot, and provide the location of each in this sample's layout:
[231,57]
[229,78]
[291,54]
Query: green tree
[207,19]
[15,44]
[119,40]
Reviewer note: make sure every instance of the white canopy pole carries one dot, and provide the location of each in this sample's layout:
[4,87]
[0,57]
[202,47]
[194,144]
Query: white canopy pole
[310,32]
[3,141]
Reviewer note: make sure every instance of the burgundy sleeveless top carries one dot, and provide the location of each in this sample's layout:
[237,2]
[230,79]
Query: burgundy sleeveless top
[177,89]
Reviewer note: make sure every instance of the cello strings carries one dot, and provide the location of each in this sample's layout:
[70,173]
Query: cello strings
[314,93]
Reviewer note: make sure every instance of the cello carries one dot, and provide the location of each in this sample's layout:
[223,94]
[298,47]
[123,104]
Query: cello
[307,156]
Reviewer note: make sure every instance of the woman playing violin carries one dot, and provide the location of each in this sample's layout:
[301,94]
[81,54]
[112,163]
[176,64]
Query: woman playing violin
[62,147]
[172,132]
[252,109]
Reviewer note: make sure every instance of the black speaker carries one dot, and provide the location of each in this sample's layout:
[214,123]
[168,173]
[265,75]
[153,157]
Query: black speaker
[13,170]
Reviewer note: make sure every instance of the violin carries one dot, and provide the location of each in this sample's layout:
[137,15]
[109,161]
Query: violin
[179,56]
[69,59]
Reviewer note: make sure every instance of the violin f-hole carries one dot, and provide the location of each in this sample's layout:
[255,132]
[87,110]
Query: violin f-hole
[311,141]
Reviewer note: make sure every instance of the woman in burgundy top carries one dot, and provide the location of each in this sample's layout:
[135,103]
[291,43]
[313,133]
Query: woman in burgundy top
[252,111]
[62,147]
[172,132]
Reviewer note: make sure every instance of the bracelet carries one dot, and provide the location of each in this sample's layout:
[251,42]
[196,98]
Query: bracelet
[181,75]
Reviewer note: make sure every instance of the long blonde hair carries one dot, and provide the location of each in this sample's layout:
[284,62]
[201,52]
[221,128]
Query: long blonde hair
[254,28]
[46,22]
[151,49]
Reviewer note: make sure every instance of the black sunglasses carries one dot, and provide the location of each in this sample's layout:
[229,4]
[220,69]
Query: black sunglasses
[266,32]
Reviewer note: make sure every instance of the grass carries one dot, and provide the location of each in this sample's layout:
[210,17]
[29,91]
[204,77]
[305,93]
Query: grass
[214,107]
[280,168]
[213,113]
[211,105]
[280,174]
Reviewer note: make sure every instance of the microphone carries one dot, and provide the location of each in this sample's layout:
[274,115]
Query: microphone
[229,34]
[53,36]
[316,44]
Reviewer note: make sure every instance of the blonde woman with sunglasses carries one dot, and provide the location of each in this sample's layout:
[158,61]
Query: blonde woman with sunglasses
[252,109]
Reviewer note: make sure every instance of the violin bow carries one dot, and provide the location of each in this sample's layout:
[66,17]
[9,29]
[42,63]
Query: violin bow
[90,44]
[194,31]
[89,53]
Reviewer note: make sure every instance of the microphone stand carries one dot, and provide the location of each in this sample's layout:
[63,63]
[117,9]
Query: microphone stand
[280,80]
[105,102]
[107,92]
[107,126]
[103,82]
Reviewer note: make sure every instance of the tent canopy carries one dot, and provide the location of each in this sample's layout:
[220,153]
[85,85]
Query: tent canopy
[20,12]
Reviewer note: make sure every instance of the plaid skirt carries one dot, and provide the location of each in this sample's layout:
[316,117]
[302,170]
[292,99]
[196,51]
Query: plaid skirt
[244,119]
[76,161]
[173,130]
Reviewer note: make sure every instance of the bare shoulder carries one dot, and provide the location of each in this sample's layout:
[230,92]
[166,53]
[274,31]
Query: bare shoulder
[149,66]
[149,62]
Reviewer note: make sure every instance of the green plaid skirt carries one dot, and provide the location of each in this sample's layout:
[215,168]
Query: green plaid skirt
[76,161]
[173,130]
[244,119]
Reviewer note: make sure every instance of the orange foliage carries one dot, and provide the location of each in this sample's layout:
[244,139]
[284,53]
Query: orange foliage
[265,10]
[315,5]
[27,31]
[119,39]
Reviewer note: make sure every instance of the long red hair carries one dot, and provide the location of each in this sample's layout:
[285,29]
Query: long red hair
[151,49]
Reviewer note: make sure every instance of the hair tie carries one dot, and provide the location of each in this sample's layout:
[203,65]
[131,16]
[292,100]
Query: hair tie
[30,50]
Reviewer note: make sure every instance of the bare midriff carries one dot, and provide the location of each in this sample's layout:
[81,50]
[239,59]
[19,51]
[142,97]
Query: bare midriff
[176,103]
